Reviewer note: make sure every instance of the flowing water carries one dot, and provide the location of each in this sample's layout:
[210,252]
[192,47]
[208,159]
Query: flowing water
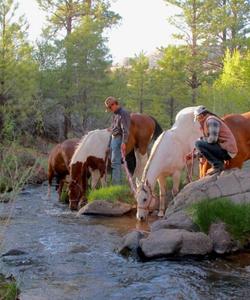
[65,256]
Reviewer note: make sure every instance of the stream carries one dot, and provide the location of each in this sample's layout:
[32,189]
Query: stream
[59,255]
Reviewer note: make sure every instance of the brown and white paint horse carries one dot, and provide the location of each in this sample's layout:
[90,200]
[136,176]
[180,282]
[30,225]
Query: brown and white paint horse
[240,126]
[143,130]
[58,163]
[89,160]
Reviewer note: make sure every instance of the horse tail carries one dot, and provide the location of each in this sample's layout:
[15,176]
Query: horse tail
[131,161]
[158,130]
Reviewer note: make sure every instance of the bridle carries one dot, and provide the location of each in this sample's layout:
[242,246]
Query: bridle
[152,197]
[79,190]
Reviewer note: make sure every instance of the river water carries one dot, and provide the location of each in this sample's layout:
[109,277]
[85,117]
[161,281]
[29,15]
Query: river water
[72,257]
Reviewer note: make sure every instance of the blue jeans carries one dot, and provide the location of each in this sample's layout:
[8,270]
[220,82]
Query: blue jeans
[214,154]
[116,157]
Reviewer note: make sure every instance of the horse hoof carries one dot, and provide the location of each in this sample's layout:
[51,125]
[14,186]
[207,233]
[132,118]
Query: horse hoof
[161,214]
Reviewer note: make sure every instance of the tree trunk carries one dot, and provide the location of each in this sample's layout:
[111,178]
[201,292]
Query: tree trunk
[171,106]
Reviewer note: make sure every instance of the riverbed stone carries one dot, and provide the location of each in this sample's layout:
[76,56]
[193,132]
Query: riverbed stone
[130,243]
[221,239]
[161,243]
[179,220]
[195,243]
[105,208]
[177,242]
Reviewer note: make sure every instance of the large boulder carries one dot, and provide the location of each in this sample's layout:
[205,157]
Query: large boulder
[130,243]
[179,220]
[233,184]
[105,208]
[175,242]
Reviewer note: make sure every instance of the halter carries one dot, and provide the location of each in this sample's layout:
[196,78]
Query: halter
[152,196]
[78,185]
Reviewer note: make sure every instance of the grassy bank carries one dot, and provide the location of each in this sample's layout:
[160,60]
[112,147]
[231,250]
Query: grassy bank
[235,216]
[8,289]
[112,193]
[17,166]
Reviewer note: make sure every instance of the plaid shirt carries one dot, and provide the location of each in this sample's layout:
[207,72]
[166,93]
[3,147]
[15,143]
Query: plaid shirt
[121,124]
[213,131]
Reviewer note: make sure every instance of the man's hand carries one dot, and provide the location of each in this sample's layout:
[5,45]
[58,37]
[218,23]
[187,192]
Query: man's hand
[189,156]
[202,160]
[123,149]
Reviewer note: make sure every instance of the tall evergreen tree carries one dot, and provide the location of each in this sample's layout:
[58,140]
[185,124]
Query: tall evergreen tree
[18,69]
[82,55]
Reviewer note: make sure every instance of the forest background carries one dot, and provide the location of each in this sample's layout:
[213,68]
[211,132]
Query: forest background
[55,89]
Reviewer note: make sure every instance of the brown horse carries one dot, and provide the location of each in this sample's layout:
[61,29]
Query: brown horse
[143,130]
[240,126]
[58,163]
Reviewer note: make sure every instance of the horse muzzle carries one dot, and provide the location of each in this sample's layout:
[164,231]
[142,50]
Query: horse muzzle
[73,204]
[141,214]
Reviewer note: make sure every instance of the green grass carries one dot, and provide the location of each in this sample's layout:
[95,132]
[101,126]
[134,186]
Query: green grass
[112,193]
[8,289]
[235,216]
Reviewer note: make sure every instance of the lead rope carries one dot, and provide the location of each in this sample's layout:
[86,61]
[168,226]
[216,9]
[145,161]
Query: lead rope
[190,174]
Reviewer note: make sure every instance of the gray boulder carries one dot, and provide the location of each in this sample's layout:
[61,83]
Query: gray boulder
[233,184]
[179,220]
[105,208]
[178,242]
[130,243]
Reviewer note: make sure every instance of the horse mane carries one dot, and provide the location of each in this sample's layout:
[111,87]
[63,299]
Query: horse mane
[152,153]
[83,151]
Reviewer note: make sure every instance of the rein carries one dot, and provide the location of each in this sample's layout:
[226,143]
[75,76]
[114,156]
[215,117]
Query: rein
[190,174]
[129,177]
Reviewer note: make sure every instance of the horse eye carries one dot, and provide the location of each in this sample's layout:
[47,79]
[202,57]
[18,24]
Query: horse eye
[145,199]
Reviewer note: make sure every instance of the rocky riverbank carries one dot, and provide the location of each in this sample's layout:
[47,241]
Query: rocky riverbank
[178,235]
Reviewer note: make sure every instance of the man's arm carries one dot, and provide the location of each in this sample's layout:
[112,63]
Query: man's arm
[125,125]
[213,131]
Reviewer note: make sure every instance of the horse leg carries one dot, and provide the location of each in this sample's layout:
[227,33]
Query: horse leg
[95,176]
[176,182]
[50,177]
[60,187]
[141,160]
[163,188]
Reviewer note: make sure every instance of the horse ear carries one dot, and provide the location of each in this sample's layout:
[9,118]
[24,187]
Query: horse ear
[137,182]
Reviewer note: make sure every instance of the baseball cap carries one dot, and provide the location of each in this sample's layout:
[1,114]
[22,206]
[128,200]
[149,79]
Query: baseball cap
[199,110]
[109,101]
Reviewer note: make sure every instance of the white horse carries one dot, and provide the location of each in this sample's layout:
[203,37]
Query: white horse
[167,158]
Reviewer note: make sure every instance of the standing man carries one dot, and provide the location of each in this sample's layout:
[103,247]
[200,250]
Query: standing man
[120,131]
[218,143]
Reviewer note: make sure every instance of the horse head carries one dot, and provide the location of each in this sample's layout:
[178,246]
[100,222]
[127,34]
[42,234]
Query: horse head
[75,194]
[77,186]
[145,200]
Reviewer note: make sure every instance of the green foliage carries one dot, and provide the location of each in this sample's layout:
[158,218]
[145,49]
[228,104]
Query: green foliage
[64,198]
[18,72]
[77,80]
[8,289]
[112,193]
[235,216]
[16,168]
[168,81]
